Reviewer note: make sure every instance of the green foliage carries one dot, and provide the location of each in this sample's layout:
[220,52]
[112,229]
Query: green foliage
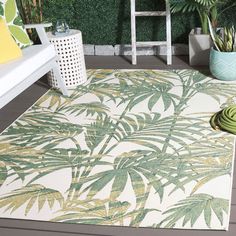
[22,161]
[133,165]
[59,130]
[18,21]
[90,109]
[191,209]
[108,21]
[31,194]
[3,173]
[95,210]
[31,10]
[224,40]
[205,9]
[97,130]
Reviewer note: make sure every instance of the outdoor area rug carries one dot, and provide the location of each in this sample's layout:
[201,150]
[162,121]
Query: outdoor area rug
[128,148]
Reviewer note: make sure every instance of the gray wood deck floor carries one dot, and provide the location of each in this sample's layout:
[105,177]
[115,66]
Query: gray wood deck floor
[15,108]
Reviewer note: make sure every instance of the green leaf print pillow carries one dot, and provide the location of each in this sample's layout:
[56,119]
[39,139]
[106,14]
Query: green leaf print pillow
[9,11]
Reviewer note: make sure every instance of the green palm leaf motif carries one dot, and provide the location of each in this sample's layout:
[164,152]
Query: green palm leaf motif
[103,90]
[96,78]
[37,116]
[152,77]
[122,146]
[139,129]
[153,93]
[209,159]
[215,90]
[99,76]
[49,134]
[59,159]
[89,108]
[137,166]
[154,87]
[193,207]
[53,99]
[31,194]
[96,131]
[3,173]
[94,212]
[19,160]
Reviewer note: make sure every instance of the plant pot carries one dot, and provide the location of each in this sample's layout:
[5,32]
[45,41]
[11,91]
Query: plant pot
[223,65]
[199,47]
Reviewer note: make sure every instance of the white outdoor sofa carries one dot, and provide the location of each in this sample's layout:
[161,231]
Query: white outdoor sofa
[37,60]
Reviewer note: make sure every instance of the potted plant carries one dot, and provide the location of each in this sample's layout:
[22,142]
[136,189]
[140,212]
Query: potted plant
[223,54]
[199,38]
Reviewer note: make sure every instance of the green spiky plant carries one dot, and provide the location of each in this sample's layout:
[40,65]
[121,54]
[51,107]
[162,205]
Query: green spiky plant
[225,39]
[205,8]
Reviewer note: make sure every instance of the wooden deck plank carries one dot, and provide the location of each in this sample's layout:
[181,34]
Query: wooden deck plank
[71,229]
[233,202]
[233,214]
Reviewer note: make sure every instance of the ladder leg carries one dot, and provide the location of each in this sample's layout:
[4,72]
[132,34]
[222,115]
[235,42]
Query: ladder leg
[133,32]
[168,33]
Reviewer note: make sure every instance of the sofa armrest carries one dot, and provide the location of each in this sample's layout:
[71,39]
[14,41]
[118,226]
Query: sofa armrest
[33,26]
[40,29]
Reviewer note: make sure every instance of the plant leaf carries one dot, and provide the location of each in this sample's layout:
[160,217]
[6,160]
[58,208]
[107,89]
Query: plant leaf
[10,10]
[193,207]
[19,34]
[30,194]
[3,173]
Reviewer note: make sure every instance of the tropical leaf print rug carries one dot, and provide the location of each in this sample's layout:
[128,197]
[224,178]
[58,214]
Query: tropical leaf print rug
[128,148]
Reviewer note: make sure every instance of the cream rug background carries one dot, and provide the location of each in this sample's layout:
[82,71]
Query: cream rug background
[129,148]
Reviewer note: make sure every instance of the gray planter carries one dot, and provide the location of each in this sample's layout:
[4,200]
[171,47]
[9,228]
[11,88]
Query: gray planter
[199,48]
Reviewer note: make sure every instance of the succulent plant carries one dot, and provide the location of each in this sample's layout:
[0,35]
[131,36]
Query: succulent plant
[224,39]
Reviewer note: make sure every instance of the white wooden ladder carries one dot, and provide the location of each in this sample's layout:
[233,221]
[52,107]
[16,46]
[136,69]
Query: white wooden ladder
[136,44]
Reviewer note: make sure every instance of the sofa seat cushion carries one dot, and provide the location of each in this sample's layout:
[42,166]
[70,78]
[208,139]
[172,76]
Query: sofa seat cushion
[13,73]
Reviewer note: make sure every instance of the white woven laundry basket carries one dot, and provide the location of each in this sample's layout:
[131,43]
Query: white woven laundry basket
[71,62]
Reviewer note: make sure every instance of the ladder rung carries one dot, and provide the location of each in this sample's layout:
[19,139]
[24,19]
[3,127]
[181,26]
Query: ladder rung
[150,13]
[151,43]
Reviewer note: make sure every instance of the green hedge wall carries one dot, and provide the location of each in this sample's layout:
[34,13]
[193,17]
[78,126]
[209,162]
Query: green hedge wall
[108,21]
